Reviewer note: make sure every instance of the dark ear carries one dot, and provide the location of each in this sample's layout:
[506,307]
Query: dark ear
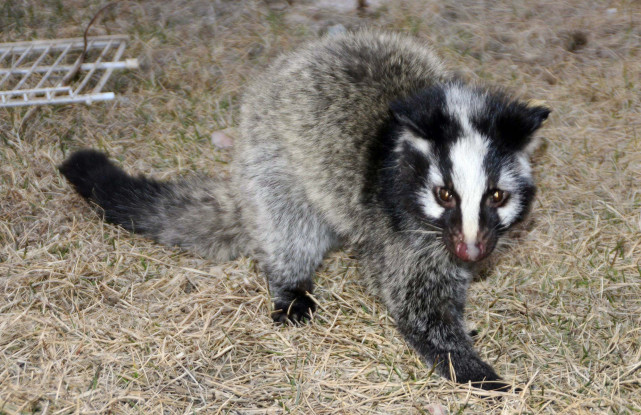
[405,115]
[424,114]
[517,121]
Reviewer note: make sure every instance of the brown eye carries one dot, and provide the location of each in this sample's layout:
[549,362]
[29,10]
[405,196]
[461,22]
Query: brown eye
[498,197]
[445,195]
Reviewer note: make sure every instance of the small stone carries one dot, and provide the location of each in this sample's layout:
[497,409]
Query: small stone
[436,409]
[336,29]
[221,140]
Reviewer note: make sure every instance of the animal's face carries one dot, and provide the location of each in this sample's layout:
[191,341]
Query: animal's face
[466,153]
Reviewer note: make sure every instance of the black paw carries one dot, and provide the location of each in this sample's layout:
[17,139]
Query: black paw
[469,369]
[300,309]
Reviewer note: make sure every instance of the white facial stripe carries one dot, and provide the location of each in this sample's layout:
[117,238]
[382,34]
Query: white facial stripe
[469,180]
[467,154]
[436,178]
[426,197]
[430,206]
[418,143]
[509,181]
[525,170]
[462,103]
[509,211]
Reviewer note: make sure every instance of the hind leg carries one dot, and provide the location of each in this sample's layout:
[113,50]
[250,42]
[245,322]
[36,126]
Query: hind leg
[294,244]
[291,241]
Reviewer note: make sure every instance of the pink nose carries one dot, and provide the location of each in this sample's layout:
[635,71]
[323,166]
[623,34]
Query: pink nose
[469,252]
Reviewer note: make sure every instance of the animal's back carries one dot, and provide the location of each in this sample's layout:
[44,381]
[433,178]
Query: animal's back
[319,111]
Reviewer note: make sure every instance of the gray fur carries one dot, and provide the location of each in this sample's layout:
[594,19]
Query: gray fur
[201,215]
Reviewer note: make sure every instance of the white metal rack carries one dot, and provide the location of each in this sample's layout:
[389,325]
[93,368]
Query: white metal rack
[37,72]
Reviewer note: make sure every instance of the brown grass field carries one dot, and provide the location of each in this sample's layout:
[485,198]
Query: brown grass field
[96,320]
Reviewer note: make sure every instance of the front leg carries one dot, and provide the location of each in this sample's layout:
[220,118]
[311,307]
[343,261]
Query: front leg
[433,327]
[426,299]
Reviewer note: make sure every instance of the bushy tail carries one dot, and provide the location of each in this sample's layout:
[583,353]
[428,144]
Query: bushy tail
[201,215]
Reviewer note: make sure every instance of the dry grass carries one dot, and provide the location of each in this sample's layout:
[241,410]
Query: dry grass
[95,320]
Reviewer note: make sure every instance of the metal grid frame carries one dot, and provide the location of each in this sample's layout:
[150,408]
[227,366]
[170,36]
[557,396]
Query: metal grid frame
[20,61]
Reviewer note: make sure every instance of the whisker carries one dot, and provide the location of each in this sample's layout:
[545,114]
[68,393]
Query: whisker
[422,231]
